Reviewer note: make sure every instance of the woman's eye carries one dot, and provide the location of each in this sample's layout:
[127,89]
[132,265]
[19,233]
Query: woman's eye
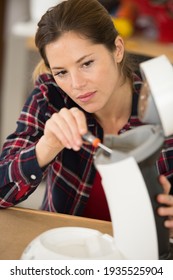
[60,73]
[88,63]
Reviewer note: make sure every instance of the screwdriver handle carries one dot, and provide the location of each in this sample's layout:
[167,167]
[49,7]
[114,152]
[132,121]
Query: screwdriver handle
[91,139]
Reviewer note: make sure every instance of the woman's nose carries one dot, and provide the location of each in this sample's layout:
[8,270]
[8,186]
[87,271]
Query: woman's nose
[78,81]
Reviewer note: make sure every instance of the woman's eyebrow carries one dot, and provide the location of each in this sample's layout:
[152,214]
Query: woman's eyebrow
[83,57]
[78,61]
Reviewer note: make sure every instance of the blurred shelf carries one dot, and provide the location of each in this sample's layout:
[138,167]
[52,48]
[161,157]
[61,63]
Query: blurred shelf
[142,46]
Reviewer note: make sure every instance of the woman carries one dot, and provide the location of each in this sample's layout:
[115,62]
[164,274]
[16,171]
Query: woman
[89,85]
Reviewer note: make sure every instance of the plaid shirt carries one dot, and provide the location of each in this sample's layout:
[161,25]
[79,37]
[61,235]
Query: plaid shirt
[69,177]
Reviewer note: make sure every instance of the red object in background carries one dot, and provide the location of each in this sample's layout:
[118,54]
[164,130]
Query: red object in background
[127,10]
[161,13]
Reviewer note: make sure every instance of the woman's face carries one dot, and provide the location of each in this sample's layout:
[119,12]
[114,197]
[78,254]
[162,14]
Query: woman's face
[87,72]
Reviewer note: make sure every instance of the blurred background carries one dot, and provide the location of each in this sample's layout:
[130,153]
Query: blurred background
[146,25]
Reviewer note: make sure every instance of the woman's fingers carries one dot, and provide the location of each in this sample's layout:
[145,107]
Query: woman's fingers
[80,120]
[67,126]
[167,200]
[165,183]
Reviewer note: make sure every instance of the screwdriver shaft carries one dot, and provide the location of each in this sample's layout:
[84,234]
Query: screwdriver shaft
[95,142]
[105,148]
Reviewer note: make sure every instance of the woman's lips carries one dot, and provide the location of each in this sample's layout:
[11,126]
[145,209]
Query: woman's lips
[86,97]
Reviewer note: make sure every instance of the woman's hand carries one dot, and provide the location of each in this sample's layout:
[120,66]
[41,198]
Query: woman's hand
[63,130]
[167,200]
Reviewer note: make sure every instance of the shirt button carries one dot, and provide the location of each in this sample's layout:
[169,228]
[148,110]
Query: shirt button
[33,177]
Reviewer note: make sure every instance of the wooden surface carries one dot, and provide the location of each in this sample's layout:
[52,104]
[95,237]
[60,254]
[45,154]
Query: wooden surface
[18,226]
[136,45]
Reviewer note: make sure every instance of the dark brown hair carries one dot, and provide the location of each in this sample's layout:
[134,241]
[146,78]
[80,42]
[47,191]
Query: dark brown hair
[88,18]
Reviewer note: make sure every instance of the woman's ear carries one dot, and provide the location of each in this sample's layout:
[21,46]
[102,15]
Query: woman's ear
[119,49]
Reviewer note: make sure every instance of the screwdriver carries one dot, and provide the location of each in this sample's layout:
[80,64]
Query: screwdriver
[96,142]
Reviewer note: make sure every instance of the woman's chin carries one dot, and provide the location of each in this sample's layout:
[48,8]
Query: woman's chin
[90,108]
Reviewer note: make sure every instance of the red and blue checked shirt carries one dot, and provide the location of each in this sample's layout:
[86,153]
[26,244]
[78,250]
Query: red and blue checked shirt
[70,176]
